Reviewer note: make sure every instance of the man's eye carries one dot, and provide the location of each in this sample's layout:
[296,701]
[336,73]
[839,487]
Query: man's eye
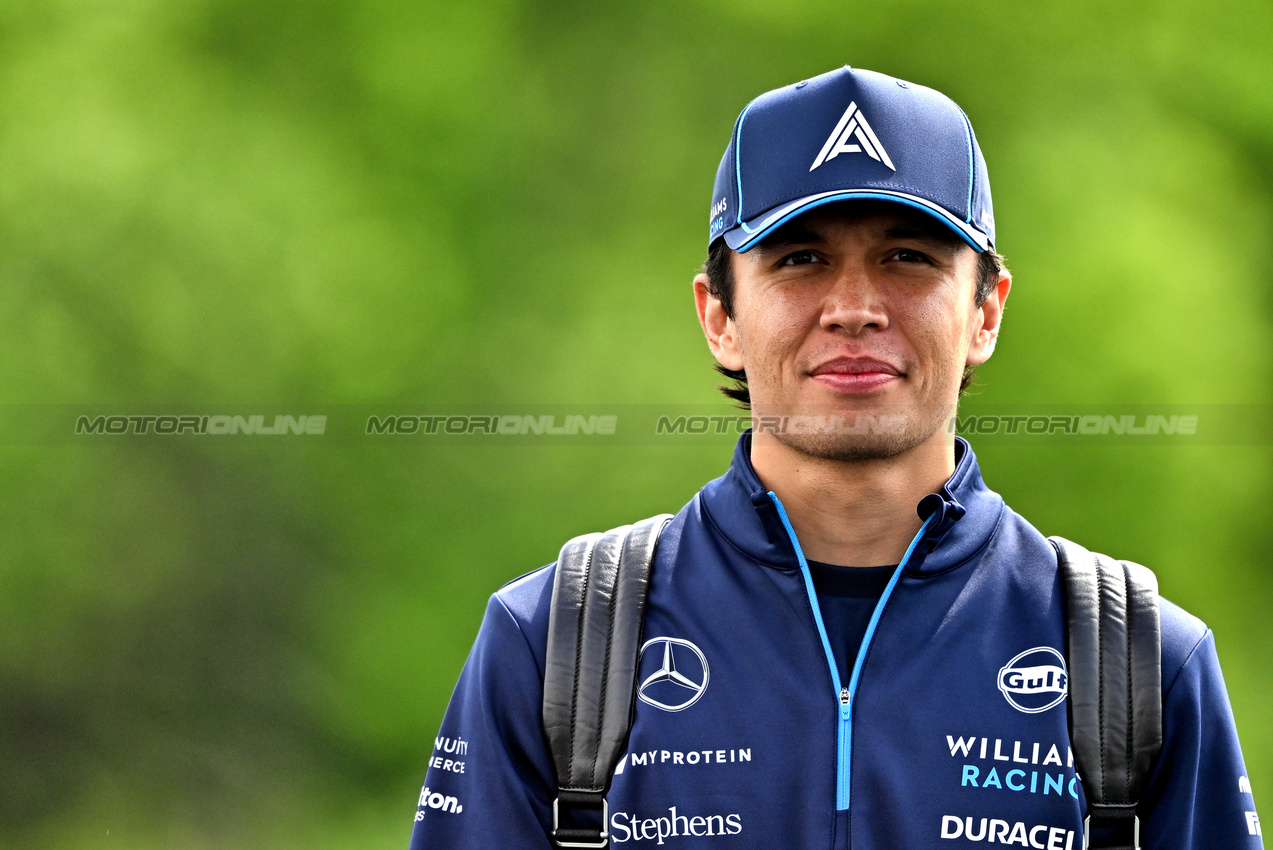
[799,258]
[909,255]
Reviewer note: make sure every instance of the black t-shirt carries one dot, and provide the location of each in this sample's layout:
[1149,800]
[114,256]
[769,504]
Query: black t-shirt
[847,597]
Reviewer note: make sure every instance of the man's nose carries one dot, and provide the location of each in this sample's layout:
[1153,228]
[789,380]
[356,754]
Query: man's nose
[854,302]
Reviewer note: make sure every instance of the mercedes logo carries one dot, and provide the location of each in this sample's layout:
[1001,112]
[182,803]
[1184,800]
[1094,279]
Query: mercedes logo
[681,677]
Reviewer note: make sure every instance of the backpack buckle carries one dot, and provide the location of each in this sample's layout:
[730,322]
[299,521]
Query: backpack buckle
[1087,821]
[583,839]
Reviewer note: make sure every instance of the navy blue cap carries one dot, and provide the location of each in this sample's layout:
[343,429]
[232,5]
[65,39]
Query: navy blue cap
[850,134]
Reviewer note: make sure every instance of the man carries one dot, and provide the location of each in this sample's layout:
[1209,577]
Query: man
[834,626]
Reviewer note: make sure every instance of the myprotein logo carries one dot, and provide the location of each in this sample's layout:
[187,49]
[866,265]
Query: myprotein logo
[1034,680]
[674,673]
[679,758]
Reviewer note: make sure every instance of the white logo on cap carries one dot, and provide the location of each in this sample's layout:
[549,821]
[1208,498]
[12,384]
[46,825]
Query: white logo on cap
[853,127]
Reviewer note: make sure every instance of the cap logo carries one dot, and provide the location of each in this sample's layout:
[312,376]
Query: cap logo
[853,135]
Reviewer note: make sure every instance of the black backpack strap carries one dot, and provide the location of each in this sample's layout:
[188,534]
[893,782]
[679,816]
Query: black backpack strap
[594,637]
[1114,652]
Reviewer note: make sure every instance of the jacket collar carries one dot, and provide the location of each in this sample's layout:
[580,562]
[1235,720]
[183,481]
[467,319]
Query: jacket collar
[965,513]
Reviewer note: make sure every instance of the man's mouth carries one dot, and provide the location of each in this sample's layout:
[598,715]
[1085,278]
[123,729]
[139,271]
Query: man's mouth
[856,374]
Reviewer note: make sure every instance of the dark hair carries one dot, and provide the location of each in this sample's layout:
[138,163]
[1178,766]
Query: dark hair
[720,283]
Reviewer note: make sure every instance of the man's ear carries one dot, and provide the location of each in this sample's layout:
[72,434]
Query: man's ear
[718,327]
[990,314]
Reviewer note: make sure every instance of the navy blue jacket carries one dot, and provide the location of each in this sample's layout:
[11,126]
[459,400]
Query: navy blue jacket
[951,732]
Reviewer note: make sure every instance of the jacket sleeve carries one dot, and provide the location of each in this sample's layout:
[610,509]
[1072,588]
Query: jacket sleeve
[488,782]
[1199,797]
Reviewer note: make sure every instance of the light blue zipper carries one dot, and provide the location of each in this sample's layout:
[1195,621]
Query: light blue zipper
[844,696]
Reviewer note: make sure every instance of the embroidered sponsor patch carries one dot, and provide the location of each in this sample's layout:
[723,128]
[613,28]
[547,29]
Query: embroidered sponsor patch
[1034,680]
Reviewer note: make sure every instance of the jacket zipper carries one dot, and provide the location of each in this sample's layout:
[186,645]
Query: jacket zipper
[844,694]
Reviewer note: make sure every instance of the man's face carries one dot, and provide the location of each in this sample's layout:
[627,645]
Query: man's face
[858,319]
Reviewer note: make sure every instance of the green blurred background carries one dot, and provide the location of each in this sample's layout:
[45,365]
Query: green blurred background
[249,644]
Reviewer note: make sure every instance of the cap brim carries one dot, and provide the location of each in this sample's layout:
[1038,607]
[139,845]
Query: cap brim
[744,236]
